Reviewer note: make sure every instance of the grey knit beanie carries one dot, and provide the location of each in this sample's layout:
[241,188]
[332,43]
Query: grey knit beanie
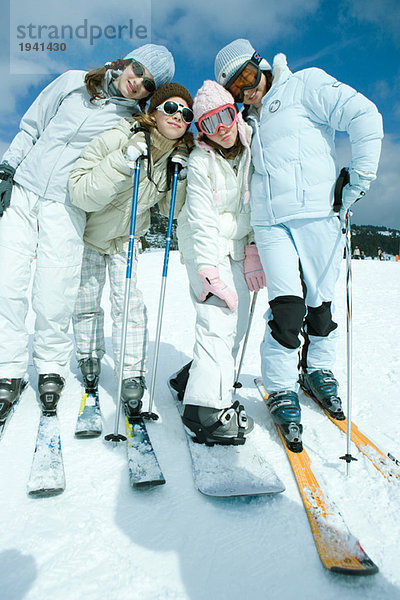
[231,57]
[157,59]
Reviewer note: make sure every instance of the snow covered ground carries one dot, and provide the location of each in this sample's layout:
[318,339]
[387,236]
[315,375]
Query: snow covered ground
[102,540]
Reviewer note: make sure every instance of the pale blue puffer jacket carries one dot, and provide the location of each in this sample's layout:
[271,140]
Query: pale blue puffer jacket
[293,149]
[53,132]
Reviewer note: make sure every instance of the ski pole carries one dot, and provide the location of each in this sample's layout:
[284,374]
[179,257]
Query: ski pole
[118,437]
[162,293]
[348,457]
[237,383]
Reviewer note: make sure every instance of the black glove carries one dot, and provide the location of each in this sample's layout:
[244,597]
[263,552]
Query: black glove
[6,183]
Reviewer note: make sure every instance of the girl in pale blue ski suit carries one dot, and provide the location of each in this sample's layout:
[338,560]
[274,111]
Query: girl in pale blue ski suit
[299,236]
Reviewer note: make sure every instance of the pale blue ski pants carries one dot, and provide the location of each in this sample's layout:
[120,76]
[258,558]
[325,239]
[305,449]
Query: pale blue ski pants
[300,251]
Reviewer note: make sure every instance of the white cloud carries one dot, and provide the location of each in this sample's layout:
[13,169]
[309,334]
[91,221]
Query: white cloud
[325,51]
[11,88]
[383,14]
[205,26]
[381,206]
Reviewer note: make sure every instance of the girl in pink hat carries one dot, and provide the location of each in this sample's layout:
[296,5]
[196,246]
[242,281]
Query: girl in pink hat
[216,243]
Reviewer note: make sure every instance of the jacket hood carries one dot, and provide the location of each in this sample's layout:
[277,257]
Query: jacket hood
[280,69]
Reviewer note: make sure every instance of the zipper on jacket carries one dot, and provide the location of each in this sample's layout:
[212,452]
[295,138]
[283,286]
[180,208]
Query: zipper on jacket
[256,130]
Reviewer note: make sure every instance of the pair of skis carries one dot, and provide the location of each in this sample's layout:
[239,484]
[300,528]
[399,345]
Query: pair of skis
[218,473]
[338,549]
[47,476]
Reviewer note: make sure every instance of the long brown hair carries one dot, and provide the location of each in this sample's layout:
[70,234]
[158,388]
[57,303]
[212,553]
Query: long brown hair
[95,78]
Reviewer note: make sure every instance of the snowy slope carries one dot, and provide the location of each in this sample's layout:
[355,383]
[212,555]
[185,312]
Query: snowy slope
[102,540]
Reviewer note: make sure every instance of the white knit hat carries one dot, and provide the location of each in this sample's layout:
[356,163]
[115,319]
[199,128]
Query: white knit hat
[157,59]
[231,57]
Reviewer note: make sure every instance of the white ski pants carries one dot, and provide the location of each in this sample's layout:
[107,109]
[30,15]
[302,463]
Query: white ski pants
[316,247]
[88,318]
[52,232]
[218,333]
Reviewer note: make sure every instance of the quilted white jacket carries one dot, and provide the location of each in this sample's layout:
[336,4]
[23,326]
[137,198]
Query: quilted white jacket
[214,222]
[54,131]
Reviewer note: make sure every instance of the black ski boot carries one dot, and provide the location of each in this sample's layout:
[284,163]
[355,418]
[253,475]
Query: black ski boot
[131,395]
[90,369]
[211,426]
[50,388]
[178,382]
[323,387]
[285,410]
[10,390]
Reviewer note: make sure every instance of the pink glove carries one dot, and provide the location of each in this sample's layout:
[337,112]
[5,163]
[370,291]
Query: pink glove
[212,284]
[252,268]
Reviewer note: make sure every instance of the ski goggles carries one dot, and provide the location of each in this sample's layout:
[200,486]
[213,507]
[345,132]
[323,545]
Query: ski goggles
[148,84]
[170,107]
[223,116]
[245,78]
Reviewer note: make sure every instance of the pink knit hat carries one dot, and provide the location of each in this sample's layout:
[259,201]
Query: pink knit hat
[210,96]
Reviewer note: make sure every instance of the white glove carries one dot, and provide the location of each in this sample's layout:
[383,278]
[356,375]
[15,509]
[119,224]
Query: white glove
[180,157]
[135,148]
[133,152]
[354,190]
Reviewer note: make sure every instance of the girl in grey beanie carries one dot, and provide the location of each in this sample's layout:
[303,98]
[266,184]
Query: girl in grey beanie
[39,220]
[299,236]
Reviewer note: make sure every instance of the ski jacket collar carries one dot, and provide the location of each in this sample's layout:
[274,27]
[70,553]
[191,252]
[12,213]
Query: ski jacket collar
[245,133]
[110,91]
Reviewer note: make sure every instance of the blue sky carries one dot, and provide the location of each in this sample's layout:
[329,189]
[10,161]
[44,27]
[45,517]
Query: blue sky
[356,41]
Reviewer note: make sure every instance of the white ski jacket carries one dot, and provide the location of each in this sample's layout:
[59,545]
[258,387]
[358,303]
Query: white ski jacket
[214,221]
[293,149]
[55,129]
[101,184]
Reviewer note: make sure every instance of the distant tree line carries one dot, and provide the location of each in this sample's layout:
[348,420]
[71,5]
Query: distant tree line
[367,237]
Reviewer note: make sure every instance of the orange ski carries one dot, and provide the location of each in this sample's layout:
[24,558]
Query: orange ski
[338,549]
[386,464]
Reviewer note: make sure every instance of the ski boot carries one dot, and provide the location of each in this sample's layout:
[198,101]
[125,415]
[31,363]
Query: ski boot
[210,426]
[90,369]
[131,395]
[323,387]
[50,388]
[178,382]
[285,410]
[10,390]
